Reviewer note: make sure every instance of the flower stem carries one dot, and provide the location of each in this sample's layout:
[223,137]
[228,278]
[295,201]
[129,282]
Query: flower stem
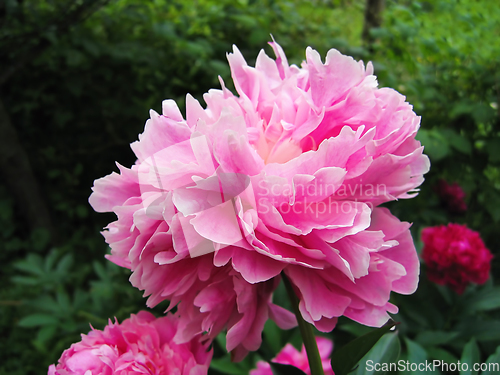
[306,331]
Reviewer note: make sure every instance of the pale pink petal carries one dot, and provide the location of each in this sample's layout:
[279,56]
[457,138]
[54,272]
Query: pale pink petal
[114,189]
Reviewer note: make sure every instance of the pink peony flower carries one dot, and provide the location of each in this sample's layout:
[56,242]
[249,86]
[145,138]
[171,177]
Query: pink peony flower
[291,356]
[284,177]
[455,256]
[141,344]
[452,196]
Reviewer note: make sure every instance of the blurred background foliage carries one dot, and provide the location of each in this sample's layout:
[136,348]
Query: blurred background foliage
[77,78]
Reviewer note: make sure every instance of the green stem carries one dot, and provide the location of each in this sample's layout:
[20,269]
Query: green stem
[306,331]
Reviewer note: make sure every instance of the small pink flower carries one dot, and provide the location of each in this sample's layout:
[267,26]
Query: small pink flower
[452,196]
[455,256]
[141,344]
[285,178]
[291,356]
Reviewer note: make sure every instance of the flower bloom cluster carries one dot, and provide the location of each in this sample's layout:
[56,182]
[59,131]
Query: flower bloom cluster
[455,256]
[285,177]
[452,196]
[141,344]
[291,356]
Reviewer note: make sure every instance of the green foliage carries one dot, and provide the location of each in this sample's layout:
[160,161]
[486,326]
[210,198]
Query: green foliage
[425,51]
[470,356]
[385,351]
[345,359]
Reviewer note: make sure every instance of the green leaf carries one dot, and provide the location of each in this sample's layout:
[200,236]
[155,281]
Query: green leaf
[457,141]
[435,145]
[100,270]
[272,336]
[36,320]
[493,363]
[470,355]
[416,354]
[46,303]
[45,334]
[345,359]
[25,280]
[480,330]
[483,113]
[31,265]
[221,340]
[482,301]
[63,302]
[65,264]
[80,299]
[50,260]
[441,355]
[429,338]
[491,202]
[384,354]
[281,369]
[225,366]
[245,21]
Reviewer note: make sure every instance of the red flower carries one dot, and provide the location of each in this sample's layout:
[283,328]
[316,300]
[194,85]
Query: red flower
[452,196]
[455,256]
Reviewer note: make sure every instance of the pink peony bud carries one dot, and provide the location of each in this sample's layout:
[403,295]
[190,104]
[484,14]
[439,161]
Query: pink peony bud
[291,356]
[455,256]
[452,196]
[141,344]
